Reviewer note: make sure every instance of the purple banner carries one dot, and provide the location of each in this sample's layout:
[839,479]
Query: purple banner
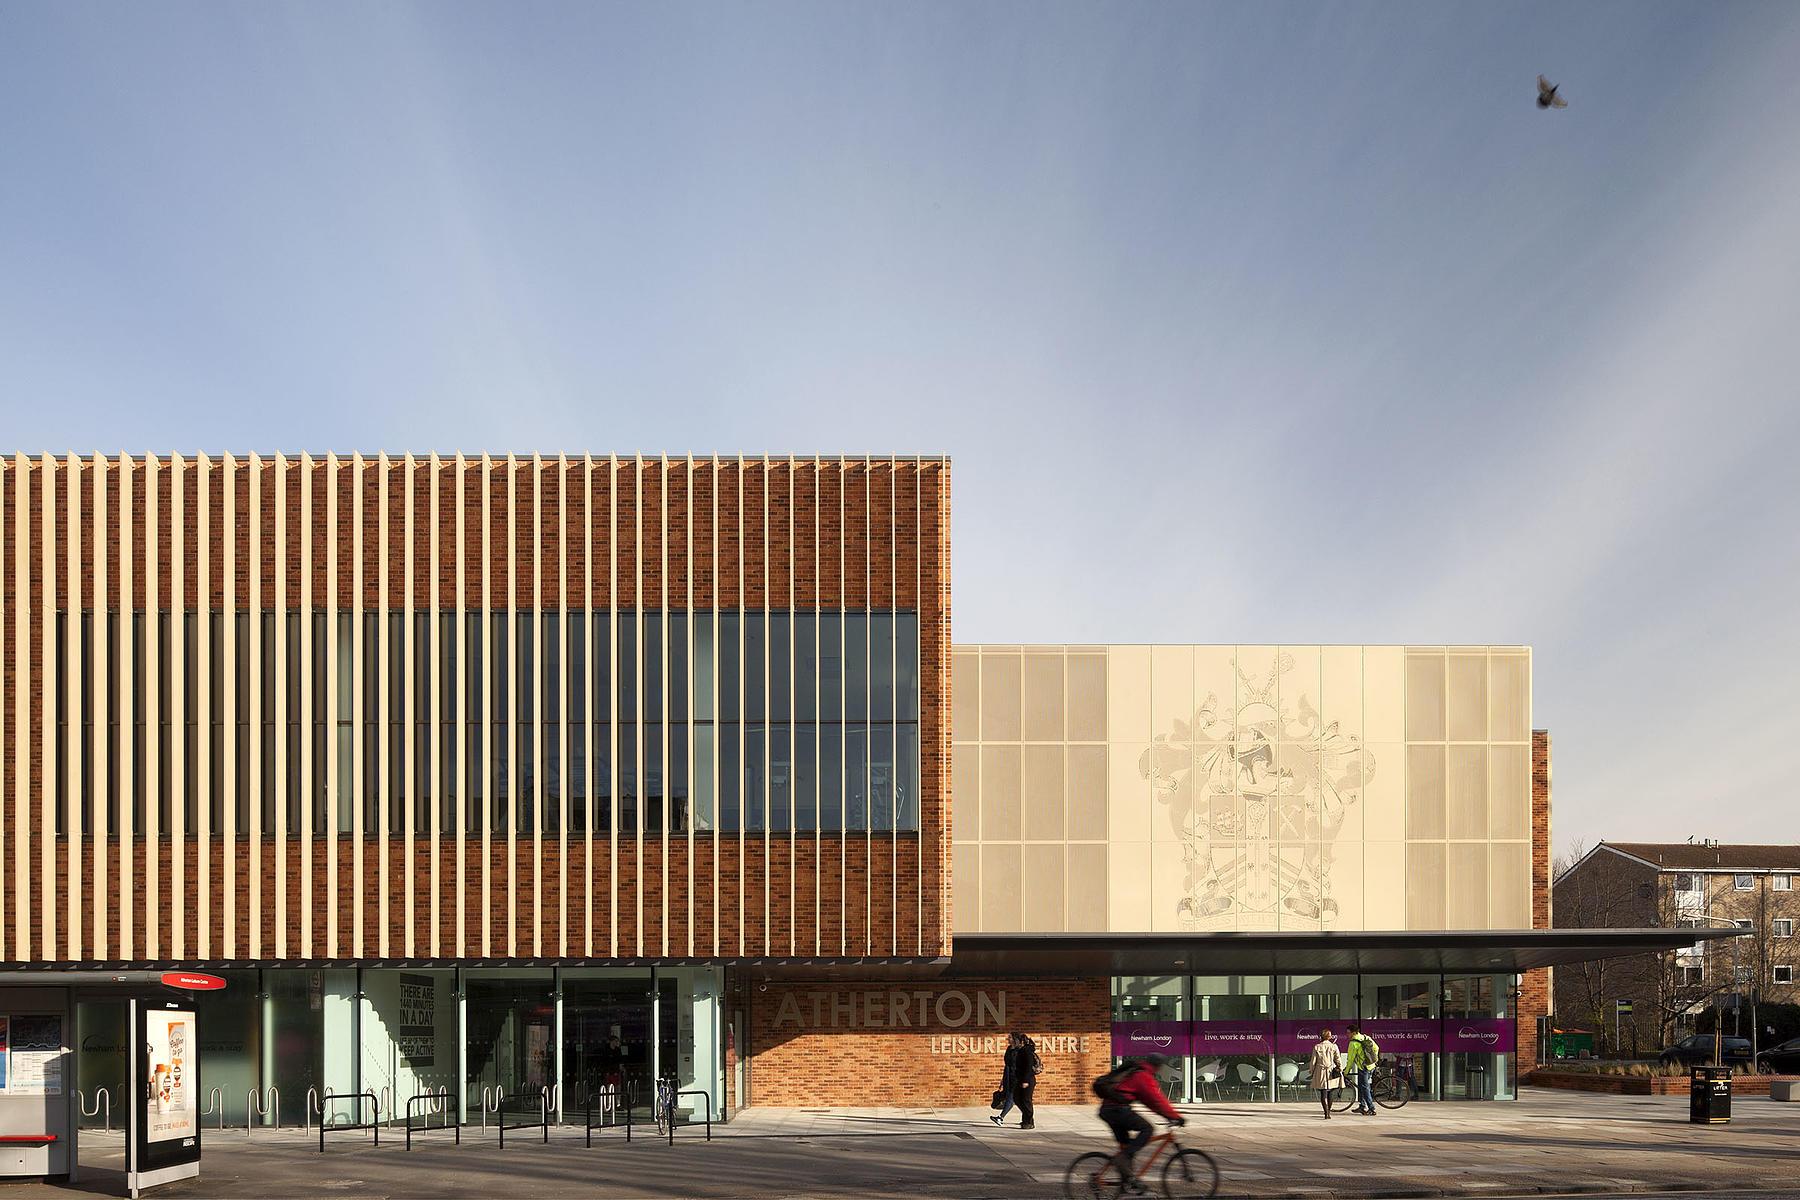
[1404,1035]
[1475,1035]
[1231,1037]
[1134,1039]
[1297,1037]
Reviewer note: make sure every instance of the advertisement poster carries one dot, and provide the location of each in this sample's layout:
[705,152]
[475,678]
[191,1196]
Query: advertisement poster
[418,1019]
[1224,1038]
[3,1054]
[1134,1039]
[1480,1035]
[35,1054]
[170,1087]
[1404,1035]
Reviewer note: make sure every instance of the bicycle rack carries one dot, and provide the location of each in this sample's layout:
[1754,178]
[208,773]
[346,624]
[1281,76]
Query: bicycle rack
[706,1096]
[262,1104]
[439,1102]
[102,1104]
[543,1120]
[608,1097]
[497,1096]
[552,1093]
[359,1097]
[311,1108]
[215,1103]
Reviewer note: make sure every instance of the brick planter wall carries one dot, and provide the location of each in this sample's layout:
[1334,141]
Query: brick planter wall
[1641,1085]
[886,1043]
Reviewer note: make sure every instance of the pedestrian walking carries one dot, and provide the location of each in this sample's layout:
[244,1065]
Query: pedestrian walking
[1026,1068]
[1003,1096]
[1360,1053]
[1326,1066]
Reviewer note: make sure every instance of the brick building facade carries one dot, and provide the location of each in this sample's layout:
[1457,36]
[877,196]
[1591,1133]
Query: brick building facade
[550,773]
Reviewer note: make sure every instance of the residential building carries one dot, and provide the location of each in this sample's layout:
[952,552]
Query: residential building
[1702,885]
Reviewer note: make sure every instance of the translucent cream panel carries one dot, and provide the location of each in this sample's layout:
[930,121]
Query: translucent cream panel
[1384,694]
[1509,684]
[1343,860]
[1044,695]
[1384,792]
[1468,885]
[1168,885]
[1509,792]
[1467,787]
[965,792]
[1297,689]
[1086,706]
[1128,797]
[1216,689]
[965,695]
[965,879]
[1468,697]
[1384,885]
[1424,697]
[1128,693]
[1425,885]
[1509,886]
[1171,688]
[1128,877]
[1088,804]
[1341,690]
[1000,793]
[1000,698]
[1000,889]
[1041,906]
[1043,781]
[1086,899]
[1424,791]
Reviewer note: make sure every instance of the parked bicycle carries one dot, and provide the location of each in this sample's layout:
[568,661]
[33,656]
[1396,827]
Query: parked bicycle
[1389,1083]
[1187,1173]
[665,1105]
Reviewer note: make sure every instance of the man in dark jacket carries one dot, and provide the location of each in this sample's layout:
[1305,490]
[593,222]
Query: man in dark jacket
[1025,1072]
[1138,1085]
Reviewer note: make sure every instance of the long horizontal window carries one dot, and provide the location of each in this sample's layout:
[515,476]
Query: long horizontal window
[570,721]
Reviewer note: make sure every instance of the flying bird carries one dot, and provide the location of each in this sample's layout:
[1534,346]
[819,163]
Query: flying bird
[1547,97]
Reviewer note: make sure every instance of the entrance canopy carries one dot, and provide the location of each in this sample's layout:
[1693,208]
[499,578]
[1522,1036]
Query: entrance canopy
[1485,951]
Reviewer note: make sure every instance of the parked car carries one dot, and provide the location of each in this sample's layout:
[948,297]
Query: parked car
[1697,1049]
[1783,1059]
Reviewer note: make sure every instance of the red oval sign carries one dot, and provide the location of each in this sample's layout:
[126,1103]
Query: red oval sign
[191,981]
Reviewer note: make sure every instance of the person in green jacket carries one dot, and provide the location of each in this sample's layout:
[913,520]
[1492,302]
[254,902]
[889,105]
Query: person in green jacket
[1360,1053]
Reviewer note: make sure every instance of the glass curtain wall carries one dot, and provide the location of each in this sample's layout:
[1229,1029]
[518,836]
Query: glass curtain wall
[1402,1012]
[1306,1006]
[1248,1037]
[510,1020]
[1478,1037]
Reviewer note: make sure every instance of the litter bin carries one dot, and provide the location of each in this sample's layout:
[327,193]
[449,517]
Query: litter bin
[1709,1096]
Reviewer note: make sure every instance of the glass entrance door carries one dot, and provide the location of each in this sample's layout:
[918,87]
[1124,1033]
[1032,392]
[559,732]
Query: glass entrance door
[511,1034]
[607,1033]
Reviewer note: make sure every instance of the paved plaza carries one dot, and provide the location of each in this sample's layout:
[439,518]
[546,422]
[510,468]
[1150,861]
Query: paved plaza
[1548,1142]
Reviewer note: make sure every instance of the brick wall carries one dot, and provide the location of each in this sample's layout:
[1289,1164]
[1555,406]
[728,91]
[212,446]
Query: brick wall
[1534,988]
[799,1058]
[672,533]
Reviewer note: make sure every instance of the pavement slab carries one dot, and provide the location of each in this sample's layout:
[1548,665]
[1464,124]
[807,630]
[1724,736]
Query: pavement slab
[1545,1143]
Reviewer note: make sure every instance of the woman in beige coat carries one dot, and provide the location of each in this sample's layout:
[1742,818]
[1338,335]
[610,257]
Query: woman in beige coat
[1326,1066]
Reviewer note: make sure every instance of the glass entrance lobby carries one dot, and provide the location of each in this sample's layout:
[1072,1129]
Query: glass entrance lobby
[521,1033]
[1247,1037]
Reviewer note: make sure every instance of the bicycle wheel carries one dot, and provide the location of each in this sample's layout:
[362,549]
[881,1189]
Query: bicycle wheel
[1344,1098]
[1190,1175]
[1392,1092]
[1092,1177]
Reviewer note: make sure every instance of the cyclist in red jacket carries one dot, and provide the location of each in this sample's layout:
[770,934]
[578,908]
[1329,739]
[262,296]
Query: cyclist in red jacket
[1134,1082]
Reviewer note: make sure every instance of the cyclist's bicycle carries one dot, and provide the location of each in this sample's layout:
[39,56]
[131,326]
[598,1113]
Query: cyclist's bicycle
[1186,1172]
[665,1105]
[1390,1084]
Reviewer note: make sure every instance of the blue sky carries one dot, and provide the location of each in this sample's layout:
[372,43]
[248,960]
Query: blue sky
[1251,322]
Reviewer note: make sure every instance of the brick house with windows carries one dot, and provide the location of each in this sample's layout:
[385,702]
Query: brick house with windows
[1699,885]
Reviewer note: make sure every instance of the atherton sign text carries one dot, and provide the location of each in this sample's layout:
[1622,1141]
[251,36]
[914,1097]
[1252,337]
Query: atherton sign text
[890,1009]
